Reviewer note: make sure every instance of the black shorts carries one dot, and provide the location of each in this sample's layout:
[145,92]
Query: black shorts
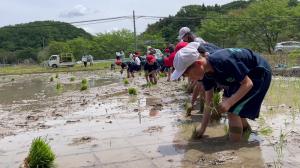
[249,105]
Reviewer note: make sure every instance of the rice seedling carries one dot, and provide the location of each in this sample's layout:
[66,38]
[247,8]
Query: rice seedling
[51,79]
[56,75]
[132,91]
[59,86]
[84,81]
[188,108]
[84,87]
[125,81]
[40,154]
[72,79]
[162,75]
[278,147]
[266,131]
[13,79]
[215,114]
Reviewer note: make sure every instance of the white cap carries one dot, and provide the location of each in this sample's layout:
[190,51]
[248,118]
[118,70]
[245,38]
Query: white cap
[183,31]
[184,58]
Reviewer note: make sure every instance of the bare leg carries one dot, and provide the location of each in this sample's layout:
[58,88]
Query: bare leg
[169,75]
[235,127]
[154,79]
[246,125]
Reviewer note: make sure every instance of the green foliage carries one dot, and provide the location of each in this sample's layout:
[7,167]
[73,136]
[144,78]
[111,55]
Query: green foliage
[168,27]
[126,82]
[26,40]
[84,85]
[40,154]
[266,131]
[162,75]
[84,81]
[59,86]
[294,58]
[132,91]
[72,79]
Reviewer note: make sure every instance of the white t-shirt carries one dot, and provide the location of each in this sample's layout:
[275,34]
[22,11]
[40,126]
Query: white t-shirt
[131,56]
[137,61]
[199,40]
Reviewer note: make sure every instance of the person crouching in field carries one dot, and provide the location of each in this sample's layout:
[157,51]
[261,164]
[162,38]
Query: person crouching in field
[151,68]
[244,75]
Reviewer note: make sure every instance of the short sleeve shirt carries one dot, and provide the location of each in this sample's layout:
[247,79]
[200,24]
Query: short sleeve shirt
[231,66]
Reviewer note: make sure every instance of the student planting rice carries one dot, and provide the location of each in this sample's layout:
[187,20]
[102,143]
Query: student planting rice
[244,75]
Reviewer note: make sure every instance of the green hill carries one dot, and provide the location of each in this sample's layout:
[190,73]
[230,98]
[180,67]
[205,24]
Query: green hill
[37,34]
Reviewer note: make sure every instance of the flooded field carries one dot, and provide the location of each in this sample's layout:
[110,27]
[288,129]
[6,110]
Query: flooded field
[105,127]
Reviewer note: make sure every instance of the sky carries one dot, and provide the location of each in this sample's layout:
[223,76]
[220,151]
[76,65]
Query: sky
[23,11]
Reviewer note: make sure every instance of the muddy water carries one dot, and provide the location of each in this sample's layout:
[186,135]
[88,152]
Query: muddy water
[105,127]
[148,130]
[32,90]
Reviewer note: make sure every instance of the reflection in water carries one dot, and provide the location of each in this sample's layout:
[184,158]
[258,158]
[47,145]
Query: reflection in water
[39,88]
[215,149]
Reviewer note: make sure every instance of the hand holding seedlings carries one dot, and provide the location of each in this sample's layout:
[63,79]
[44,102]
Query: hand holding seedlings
[224,106]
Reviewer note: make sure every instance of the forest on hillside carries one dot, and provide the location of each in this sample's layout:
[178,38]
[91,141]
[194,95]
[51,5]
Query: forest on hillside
[255,24]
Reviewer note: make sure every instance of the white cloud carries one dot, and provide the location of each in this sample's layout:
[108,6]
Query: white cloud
[76,11]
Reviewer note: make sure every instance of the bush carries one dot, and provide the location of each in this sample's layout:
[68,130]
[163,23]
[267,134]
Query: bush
[132,91]
[40,154]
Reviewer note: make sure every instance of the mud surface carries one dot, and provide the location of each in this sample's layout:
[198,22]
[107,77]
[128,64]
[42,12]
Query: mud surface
[105,127]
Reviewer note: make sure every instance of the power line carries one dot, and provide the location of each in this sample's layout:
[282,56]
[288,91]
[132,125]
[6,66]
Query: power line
[172,18]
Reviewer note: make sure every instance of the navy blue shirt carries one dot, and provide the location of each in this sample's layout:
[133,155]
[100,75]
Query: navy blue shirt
[150,68]
[231,66]
[210,47]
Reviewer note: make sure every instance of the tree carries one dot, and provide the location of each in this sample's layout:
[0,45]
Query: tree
[56,48]
[105,45]
[219,29]
[262,23]
[79,47]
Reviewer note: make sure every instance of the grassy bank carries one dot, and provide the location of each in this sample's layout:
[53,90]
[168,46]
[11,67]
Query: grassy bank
[32,69]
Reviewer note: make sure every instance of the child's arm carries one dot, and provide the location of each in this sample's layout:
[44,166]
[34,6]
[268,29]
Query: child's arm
[207,112]
[245,87]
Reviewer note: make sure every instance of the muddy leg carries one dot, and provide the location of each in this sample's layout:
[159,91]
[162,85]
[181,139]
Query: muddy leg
[246,125]
[235,127]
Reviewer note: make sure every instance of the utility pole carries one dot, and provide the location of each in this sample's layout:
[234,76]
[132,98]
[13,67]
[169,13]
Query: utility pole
[134,28]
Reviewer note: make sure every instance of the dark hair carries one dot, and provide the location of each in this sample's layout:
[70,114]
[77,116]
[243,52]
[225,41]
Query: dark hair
[190,37]
[201,49]
[171,49]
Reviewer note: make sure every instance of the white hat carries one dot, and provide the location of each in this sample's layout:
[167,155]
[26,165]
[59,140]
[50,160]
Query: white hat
[184,58]
[183,31]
